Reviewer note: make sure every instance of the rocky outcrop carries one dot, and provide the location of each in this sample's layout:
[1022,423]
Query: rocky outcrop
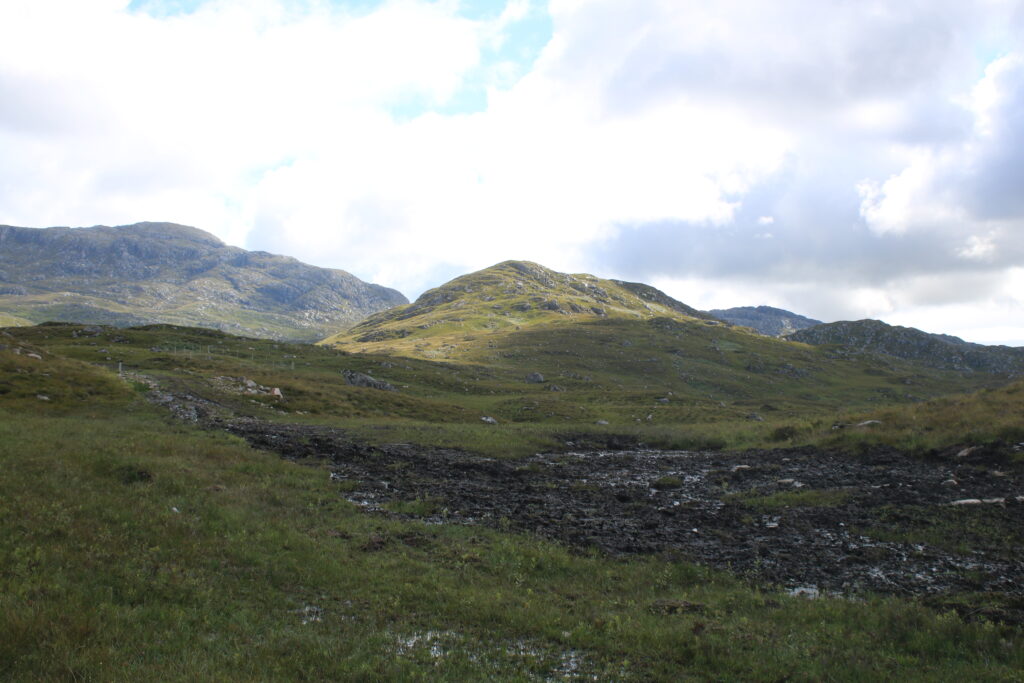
[167,273]
[774,322]
[358,379]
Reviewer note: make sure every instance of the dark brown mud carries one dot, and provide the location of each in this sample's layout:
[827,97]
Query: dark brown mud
[803,519]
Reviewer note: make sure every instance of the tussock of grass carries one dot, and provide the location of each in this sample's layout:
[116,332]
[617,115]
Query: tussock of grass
[796,498]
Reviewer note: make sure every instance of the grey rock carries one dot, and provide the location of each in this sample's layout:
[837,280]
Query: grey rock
[755,417]
[358,379]
[488,420]
[535,378]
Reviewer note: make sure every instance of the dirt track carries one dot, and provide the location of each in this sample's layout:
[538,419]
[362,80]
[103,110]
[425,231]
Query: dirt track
[607,500]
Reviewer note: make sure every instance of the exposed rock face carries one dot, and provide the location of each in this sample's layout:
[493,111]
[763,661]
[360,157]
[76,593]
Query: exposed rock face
[167,273]
[936,350]
[774,322]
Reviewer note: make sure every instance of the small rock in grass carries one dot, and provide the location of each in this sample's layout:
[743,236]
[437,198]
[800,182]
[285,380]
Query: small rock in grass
[869,423]
[601,422]
[535,378]
[488,420]
[42,397]
[967,451]
[676,607]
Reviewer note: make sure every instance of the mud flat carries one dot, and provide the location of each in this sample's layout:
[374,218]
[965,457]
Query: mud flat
[809,521]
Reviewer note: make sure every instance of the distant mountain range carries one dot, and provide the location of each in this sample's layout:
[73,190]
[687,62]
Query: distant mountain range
[774,322]
[168,273]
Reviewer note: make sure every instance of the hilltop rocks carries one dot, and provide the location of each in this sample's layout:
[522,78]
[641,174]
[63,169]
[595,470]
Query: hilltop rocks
[773,322]
[358,379]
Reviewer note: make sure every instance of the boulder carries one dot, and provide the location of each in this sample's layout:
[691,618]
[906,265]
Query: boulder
[358,379]
[488,420]
[535,378]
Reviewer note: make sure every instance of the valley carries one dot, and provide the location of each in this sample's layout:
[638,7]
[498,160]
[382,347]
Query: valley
[469,489]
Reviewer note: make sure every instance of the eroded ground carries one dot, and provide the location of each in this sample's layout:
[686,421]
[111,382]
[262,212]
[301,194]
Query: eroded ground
[806,520]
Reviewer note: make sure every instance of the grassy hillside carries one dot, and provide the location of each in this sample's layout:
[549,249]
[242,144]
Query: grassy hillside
[508,297]
[136,547]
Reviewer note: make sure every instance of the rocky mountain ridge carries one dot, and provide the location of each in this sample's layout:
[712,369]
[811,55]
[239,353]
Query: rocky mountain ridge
[774,322]
[169,273]
[934,350]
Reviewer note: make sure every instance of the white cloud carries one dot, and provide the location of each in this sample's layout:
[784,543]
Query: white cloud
[669,133]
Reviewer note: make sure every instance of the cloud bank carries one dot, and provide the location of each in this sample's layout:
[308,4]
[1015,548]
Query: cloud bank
[843,160]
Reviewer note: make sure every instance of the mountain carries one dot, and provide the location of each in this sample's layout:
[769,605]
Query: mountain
[509,296]
[774,322]
[934,350]
[168,273]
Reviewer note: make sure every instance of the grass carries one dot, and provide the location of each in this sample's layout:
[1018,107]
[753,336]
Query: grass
[135,548]
[674,387]
[796,498]
[220,562]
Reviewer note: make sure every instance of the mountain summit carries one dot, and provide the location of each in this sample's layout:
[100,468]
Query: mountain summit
[509,296]
[168,273]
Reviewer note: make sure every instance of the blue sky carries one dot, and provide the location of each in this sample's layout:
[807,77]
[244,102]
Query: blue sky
[842,160]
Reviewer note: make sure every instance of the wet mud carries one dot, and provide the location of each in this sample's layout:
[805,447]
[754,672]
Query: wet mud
[809,521]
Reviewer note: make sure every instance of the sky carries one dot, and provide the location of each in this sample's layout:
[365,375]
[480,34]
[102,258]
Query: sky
[839,159]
